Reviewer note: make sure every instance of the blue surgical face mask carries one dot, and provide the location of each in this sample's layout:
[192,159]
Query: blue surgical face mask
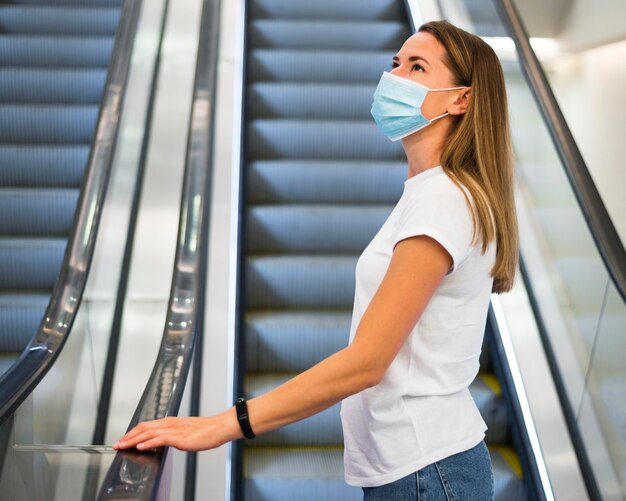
[397,106]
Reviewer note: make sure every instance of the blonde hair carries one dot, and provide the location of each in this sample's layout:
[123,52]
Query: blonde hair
[477,153]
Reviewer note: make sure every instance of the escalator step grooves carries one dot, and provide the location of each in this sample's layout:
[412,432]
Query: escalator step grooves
[54,56]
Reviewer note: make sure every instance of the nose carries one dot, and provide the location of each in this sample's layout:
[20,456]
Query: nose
[399,71]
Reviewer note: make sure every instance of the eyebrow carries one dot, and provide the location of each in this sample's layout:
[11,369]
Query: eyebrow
[411,59]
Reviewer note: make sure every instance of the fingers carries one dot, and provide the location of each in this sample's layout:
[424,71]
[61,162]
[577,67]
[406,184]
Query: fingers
[142,432]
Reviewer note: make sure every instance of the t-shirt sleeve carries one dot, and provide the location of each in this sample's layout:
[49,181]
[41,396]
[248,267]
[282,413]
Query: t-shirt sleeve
[438,209]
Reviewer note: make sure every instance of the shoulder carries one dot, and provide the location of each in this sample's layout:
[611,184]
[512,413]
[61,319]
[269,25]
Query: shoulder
[441,193]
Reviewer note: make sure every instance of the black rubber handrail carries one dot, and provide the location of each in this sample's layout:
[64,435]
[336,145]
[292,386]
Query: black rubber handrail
[138,476]
[598,220]
[38,357]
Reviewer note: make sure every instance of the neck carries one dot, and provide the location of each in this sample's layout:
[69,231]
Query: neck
[423,149]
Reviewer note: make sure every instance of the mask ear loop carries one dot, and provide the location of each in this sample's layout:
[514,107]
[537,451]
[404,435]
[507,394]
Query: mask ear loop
[437,118]
[437,90]
[449,88]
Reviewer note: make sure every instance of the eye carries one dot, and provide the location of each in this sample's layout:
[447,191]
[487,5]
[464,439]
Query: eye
[417,67]
[394,64]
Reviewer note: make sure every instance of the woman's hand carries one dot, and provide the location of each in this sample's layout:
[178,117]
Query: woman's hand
[184,433]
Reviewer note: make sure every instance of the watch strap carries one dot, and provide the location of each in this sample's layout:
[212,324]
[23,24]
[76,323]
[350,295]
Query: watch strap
[242,416]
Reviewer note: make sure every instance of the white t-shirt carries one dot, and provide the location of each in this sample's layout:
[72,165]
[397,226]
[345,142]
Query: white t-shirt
[422,410]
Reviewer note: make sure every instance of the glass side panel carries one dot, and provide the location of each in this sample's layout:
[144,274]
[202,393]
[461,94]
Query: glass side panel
[582,45]
[605,395]
[44,447]
[585,325]
[53,473]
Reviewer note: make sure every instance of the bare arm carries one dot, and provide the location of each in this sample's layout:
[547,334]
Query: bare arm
[417,267]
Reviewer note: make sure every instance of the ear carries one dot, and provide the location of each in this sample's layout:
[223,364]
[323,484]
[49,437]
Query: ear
[459,106]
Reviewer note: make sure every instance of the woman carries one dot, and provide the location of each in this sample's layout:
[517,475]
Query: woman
[422,291]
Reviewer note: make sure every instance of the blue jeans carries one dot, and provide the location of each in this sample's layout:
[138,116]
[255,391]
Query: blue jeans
[464,476]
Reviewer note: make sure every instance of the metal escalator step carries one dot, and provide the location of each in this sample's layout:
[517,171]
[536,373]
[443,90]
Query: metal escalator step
[54,51]
[58,20]
[313,228]
[284,473]
[317,65]
[303,100]
[323,429]
[293,341]
[51,85]
[488,397]
[43,211]
[20,316]
[306,474]
[42,166]
[47,124]
[327,34]
[7,360]
[329,9]
[319,139]
[276,281]
[325,181]
[84,3]
[508,483]
[30,263]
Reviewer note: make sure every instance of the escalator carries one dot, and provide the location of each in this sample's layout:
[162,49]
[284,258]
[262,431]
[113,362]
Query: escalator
[319,181]
[53,66]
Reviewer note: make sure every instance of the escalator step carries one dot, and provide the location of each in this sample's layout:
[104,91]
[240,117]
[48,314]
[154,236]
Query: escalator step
[324,181]
[51,85]
[313,473]
[47,124]
[7,360]
[313,228]
[317,473]
[41,211]
[58,20]
[303,100]
[270,139]
[83,3]
[43,166]
[507,474]
[30,263]
[327,34]
[293,341]
[318,66]
[329,9]
[325,428]
[20,316]
[77,52]
[276,281]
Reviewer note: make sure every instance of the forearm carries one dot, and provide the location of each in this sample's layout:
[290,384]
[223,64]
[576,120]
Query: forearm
[330,381]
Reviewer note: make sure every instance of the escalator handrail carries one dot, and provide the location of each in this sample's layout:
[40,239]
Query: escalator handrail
[45,346]
[594,211]
[141,474]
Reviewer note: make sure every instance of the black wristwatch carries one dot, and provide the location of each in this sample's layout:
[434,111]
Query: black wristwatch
[242,417]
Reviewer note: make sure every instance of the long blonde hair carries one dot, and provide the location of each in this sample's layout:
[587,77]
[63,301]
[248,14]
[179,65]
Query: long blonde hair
[477,153]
